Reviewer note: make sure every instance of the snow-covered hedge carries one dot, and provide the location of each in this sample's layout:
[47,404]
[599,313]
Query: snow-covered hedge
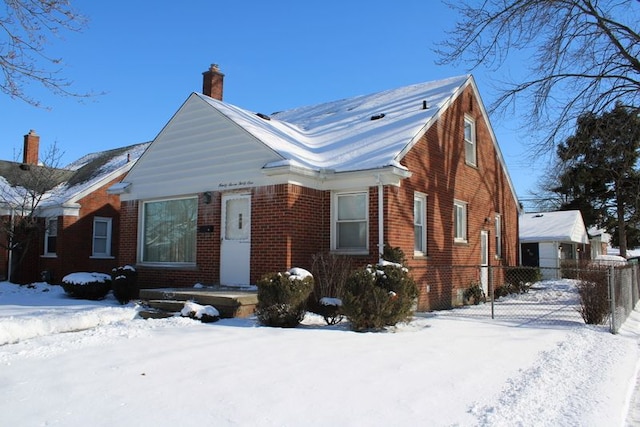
[282,297]
[379,296]
[92,286]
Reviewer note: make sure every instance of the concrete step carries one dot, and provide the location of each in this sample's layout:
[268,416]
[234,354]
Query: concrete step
[229,303]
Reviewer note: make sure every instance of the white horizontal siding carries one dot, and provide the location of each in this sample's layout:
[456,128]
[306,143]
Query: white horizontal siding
[199,150]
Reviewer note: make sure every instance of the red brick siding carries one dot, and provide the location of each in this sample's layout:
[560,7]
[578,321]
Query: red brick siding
[439,170]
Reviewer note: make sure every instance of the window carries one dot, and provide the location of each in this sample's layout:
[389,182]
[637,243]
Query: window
[470,151]
[351,219]
[169,231]
[51,236]
[498,236]
[101,237]
[460,221]
[419,224]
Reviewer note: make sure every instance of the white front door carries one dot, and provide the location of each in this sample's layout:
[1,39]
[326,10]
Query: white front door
[484,261]
[235,243]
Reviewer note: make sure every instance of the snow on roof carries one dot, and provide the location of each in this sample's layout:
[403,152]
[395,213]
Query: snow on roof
[559,226]
[364,132]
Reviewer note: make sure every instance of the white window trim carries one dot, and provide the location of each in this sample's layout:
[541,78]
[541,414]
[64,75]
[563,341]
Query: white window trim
[106,254]
[141,228]
[470,120]
[421,197]
[334,223]
[498,233]
[463,206]
[47,234]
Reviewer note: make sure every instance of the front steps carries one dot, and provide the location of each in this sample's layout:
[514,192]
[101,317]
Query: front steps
[166,302]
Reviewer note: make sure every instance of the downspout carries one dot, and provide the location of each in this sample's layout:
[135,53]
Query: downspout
[10,248]
[380,218]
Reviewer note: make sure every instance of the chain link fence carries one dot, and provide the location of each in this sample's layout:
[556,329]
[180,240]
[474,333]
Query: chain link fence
[523,295]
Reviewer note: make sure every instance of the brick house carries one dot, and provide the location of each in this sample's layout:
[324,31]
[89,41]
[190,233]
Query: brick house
[225,195]
[79,221]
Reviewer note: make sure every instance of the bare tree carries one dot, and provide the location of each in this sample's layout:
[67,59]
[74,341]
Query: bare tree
[24,189]
[26,26]
[583,55]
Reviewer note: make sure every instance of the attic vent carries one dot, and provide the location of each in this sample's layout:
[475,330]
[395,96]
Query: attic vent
[538,216]
[377,116]
[263,116]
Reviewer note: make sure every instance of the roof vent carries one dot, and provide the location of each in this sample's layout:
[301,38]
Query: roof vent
[538,215]
[377,116]
[263,116]
[424,105]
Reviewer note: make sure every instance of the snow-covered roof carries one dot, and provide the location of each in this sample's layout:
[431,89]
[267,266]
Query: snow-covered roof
[559,226]
[364,132]
[72,182]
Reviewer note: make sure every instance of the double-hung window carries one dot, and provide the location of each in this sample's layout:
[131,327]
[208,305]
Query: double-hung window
[498,236]
[51,236]
[470,149]
[169,231]
[419,224]
[459,221]
[101,237]
[350,221]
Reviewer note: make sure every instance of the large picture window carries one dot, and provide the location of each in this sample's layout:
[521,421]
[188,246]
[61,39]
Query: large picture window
[470,150]
[101,237]
[419,224]
[351,219]
[460,221]
[169,231]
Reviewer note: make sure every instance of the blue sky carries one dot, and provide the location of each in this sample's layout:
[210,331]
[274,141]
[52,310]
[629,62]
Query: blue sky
[147,57]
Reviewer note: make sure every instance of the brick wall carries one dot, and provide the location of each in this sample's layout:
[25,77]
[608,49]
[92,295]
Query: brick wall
[439,170]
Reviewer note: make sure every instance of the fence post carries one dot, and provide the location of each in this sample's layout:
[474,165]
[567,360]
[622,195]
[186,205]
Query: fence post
[612,298]
[491,290]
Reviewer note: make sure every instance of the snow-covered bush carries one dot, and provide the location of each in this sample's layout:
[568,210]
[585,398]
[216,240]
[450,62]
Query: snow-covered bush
[379,296]
[593,289]
[282,298]
[203,313]
[330,273]
[92,286]
[124,282]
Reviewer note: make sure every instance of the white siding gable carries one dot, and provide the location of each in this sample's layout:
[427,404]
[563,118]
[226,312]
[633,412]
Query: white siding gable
[199,150]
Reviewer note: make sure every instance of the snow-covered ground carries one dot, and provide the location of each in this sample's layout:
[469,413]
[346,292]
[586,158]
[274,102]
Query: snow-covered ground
[66,362]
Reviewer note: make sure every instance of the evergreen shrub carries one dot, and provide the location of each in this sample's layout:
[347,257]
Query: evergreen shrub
[282,298]
[91,286]
[124,282]
[375,297]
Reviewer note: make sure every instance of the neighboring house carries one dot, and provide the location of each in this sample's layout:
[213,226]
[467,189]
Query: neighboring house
[549,239]
[599,241]
[80,220]
[224,195]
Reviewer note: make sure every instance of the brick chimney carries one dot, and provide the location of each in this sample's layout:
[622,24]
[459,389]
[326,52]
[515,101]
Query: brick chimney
[212,80]
[31,147]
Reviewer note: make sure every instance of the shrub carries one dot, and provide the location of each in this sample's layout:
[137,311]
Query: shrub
[593,289]
[377,297]
[330,272]
[124,282]
[474,294]
[520,279]
[92,286]
[282,298]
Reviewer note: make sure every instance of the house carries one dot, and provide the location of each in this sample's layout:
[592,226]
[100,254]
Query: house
[78,219]
[224,195]
[550,239]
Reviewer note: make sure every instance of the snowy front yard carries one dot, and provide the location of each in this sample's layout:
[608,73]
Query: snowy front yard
[70,362]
